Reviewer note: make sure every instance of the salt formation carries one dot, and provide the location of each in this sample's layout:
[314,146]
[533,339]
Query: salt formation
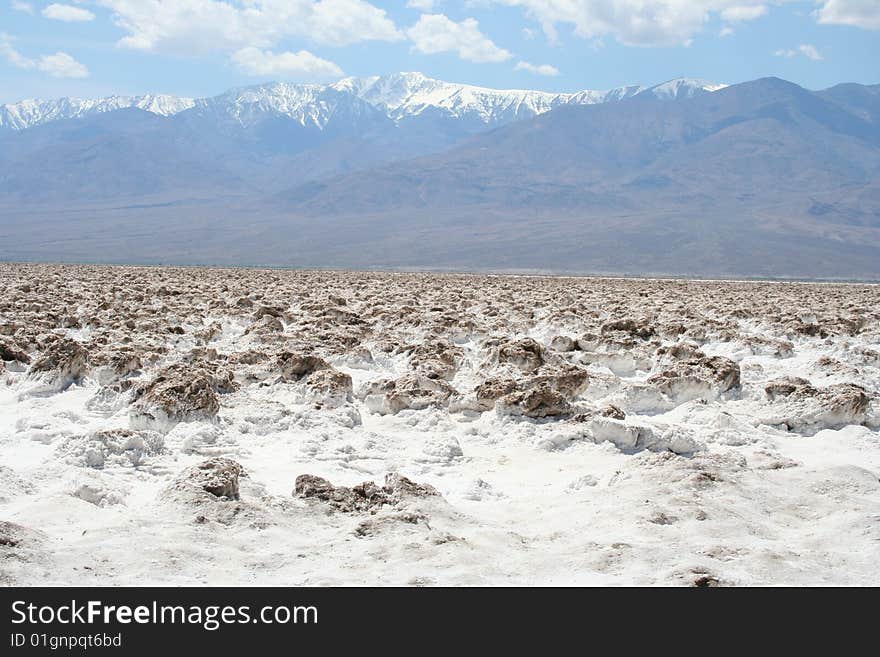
[561,430]
[366,496]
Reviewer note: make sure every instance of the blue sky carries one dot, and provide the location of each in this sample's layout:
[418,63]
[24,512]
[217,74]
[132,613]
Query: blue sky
[203,47]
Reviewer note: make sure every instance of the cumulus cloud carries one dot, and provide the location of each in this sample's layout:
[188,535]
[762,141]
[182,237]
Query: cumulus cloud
[198,26]
[858,13]
[422,5]
[805,49]
[20,5]
[740,13]
[301,65]
[435,33]
[672,22]
[62,65]
[541,69]
[68,13]
[59,65]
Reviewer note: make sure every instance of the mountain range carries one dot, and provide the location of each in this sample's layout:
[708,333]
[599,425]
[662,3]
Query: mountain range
[401,97]
[762,178]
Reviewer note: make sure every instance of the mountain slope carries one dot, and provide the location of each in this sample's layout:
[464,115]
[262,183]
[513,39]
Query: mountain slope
[399,96]
[738,182]
[762,178]
[115,159]
[760,138]
[32,113]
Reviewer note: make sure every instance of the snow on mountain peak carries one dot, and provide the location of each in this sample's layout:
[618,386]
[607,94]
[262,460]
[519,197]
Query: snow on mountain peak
[399,96]
[683,88]
[30,113]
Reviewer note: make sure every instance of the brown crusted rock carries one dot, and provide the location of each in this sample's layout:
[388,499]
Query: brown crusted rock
[365,497]
[267,324]
[563,343]
[211,490]
[569,380]
[539,401]
[182,393]
[681,351]
[802,407]
[714,373]
[785,386]
[640,328]
[846,399]
[209,332]
[400,486]
[588,342]
[307,485]
[295,365]
[121,362]
[843,398]
[491,390]
[10,351]
[331,385]
[217,477]
[268,311]
[249,357]
[609,410]
[612,411]
[526,354]
[436,359]
[13,535]
[769,346]
[411,391]
[65,358]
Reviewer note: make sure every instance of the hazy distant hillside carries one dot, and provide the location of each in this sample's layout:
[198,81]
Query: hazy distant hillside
[262,138]
[757,143]
[762,178]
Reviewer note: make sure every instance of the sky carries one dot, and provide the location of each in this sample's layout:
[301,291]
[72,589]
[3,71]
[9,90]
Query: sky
[92,48]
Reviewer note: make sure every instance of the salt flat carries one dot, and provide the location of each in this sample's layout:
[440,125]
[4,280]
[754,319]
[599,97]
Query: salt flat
[232,426]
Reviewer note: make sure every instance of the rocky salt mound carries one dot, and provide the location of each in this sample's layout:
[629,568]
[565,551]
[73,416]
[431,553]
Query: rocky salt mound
[476,429]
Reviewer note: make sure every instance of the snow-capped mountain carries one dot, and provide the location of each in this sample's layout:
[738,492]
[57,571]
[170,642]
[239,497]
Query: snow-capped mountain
[312,106]
[683,88]
[400,97]
[30,113]
[353,173]
[406,95]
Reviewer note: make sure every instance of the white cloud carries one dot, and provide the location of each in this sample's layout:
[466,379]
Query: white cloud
[541,69]
[422,5]
[68,13]
[62,65]
[59,65]
[198,26]
[435,33]
[726,31]
[301,65]
[11,55]
[639,22]
[743,13]
[858,13]
[811,52]
[20,5]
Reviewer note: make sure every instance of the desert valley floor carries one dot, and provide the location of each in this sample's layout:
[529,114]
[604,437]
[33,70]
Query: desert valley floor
[197,426]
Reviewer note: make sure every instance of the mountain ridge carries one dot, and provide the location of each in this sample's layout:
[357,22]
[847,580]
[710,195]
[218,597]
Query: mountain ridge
[763,178]
[400,96]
